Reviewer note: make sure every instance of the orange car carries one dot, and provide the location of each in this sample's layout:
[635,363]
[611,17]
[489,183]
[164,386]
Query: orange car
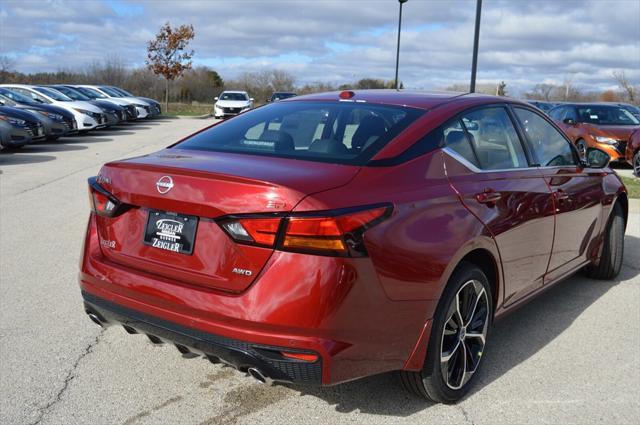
[603,126]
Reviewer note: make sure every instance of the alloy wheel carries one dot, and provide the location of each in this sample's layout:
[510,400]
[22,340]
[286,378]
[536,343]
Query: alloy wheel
[464,334]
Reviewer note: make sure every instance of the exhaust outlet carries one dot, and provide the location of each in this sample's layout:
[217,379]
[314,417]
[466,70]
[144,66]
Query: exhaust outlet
[259,376]
[95,319]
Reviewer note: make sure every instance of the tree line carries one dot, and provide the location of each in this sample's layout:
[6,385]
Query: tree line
[202,83]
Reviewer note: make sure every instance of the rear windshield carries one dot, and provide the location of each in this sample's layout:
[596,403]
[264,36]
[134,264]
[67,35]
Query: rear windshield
[338,132]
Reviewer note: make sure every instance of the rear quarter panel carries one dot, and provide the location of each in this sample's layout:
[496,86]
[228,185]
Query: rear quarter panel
[414,251]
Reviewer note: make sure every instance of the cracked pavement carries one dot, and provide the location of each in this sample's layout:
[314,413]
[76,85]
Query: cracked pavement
[570,356]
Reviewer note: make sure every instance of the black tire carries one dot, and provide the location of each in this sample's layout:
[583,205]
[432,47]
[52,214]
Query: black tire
[636,164]
[612,249]
[430,383]
[52,138]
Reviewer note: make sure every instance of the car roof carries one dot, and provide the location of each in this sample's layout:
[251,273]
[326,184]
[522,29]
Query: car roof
[235,91]
[23,86]
[410,98]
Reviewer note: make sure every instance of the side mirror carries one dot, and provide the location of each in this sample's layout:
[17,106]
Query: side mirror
[251,99]
[268,100]
[569,121]
[597,158]
[215,98]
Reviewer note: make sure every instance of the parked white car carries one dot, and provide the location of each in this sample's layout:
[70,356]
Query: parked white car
[90,92]
[142,107]
[154,104]
[231,103]
[87,116]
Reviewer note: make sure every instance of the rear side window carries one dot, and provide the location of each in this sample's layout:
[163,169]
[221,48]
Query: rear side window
[456,139]
[494,139]
[338,132]
[549,147]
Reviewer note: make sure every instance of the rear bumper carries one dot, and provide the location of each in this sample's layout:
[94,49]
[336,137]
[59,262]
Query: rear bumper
[241,355]
[333,307]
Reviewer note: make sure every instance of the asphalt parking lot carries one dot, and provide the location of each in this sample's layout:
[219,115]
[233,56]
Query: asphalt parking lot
[572,356]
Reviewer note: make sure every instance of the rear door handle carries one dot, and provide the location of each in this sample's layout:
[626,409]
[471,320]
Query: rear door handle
[488,196]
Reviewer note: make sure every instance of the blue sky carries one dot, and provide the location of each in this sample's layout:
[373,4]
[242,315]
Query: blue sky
[522,42]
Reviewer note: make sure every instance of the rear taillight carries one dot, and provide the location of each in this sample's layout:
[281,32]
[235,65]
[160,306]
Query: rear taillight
[335,233]
[102,202]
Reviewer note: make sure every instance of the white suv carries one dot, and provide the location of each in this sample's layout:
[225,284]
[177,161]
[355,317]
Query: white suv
[231,103]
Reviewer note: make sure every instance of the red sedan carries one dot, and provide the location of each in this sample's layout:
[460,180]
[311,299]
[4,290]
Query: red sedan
[333,236]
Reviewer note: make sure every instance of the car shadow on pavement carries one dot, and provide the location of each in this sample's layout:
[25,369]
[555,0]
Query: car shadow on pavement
[83,139]
[52,147]
[114,132]
[514,339]
[14,157]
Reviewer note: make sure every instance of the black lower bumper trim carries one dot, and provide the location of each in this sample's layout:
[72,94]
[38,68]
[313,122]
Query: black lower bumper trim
[240,354]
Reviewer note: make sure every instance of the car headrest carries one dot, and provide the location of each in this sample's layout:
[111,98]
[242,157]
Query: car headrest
[370,129]
[281,139]
[328,146]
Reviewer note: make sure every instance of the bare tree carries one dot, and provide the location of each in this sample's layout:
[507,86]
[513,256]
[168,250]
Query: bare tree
[168,54]
[568,86]
[625,86]
[541,91]
[501,89]
[6,64]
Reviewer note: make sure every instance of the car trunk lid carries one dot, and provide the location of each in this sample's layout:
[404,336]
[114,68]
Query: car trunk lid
[204,186]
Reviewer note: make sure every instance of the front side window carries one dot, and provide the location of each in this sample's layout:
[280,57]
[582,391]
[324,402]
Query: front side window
[570,114]
[549,147]
[494,139]
[557,113]
[338,132]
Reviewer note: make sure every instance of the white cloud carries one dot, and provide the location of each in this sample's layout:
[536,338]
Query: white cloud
[521,42]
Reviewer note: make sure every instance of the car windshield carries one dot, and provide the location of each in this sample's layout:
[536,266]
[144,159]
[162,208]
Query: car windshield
[233,96]
[122,91]
[605,115]
[73,94]
[110,92]
[91,93]
[53,94]
[7,101]
[16,97]
[633,109]
[280,96]
[337,132]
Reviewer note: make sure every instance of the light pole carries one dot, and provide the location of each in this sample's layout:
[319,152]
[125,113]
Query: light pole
[476,38]
[398,49]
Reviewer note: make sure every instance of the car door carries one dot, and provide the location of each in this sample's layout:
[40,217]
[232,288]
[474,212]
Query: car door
[488,167]
[577,192]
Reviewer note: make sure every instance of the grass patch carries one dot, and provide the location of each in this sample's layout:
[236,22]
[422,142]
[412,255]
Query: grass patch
[186,109]
[633,186]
